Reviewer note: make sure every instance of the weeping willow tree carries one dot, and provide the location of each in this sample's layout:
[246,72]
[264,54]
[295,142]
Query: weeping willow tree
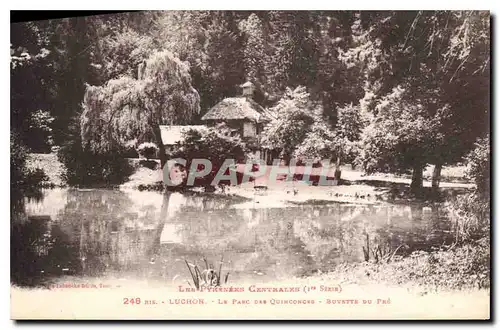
[128,110]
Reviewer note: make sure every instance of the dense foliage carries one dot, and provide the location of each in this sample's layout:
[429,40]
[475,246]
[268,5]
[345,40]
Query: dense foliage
[391,91]
[216,144]
[84,167]
[479,166]
[415,85]
[127,109]
[340,141]
[87,169]
[471,213]
[431,70]
[23,179]
[292,120]
[18,155]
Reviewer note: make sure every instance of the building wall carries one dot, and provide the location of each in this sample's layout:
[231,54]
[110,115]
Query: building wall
[245,128]
[249,129]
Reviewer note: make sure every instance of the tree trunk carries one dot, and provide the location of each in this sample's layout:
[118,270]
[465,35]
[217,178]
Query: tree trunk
[417,179]
[338,172]
[287,157]
[161,148]
[436,176]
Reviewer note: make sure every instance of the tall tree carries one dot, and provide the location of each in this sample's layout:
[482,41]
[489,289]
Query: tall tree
[254,49]
[128,109]
[29,58]
[400,136]
[211,44]
[72,44]
[224,70]
[122,53]
[440,59]
[340,141]
[337,85]
[295,48]
[292,119]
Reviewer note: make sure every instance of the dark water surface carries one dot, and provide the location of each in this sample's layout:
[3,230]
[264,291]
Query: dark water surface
[148,235]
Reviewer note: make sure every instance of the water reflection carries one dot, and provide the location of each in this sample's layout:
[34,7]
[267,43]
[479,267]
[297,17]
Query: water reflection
[147,235]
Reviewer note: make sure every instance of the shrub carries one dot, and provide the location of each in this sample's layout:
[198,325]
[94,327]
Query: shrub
[147,150]
[463,267]
[40,131]
[478,167]
[18,155]
[470,216]
[23,181]
[215,144]
[36,177]
[470,213]
[85,168]
[293,117]
[20,176]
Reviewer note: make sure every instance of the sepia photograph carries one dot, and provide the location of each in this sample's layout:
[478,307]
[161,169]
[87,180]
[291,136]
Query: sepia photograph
[250,165]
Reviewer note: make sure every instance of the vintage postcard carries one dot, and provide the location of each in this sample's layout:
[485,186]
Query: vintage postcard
[261,165]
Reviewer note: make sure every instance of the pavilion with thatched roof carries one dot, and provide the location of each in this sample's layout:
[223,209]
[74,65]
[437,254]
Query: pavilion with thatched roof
[242,114]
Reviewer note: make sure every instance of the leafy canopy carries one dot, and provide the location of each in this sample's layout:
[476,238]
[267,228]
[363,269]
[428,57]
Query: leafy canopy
[125,109]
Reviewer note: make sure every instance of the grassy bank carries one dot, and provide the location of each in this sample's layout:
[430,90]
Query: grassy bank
[464,267]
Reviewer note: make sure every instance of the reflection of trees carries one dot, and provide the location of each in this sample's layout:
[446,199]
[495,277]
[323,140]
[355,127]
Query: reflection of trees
[273,245]
[17,205]
[18,201]
[330,234]
[209,229]
[106,231]
[279,250]
[414,227]
[254,239]
[116,233]
[38,250]
[96,231]
[207,221]
[92,219]
[338,233]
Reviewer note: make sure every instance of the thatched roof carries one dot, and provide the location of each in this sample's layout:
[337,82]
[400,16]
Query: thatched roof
[237,108]
[247,84]
[170,135]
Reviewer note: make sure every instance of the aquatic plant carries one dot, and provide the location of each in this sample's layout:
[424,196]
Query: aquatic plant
[379,252]
[209,277]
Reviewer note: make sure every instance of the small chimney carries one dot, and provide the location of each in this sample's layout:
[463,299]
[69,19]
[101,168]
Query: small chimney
[248,89]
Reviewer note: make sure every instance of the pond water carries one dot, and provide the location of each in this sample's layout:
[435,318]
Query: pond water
[147,236]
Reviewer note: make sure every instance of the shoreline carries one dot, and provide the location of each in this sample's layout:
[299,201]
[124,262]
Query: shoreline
[357,188]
